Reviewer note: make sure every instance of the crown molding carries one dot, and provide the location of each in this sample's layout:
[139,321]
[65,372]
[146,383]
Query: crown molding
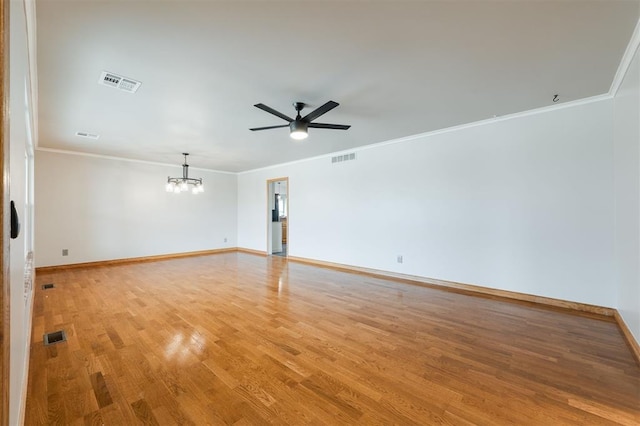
[130,160]
[536,111]
[625,63]
[623,67]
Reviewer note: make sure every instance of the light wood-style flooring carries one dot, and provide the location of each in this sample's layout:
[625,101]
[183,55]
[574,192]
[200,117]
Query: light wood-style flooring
[242,339]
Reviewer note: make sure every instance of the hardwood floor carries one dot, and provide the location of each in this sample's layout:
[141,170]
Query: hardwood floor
[242,339]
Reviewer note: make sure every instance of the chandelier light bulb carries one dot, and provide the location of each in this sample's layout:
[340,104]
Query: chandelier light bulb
[169,187]
[184,186]
[176,189]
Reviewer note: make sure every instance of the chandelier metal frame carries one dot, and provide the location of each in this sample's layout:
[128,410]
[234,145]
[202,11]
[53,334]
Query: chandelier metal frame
[181,184]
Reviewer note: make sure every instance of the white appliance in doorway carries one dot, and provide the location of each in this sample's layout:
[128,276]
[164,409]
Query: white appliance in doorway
[277,216]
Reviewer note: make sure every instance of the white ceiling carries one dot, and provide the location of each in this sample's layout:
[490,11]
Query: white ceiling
[397,68]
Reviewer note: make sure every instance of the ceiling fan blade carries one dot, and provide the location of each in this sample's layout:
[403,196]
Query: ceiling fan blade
[273,111]
[269,127]
[319,111]
[329,126]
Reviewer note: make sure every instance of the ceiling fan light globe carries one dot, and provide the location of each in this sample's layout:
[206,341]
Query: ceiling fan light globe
[299,135]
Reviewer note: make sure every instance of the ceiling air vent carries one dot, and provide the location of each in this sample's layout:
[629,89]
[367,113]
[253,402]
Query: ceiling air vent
[343,158]
[119,82]
[87,135]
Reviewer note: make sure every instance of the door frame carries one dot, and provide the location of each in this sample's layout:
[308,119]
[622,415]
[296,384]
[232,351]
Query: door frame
[4,215]
[270,193]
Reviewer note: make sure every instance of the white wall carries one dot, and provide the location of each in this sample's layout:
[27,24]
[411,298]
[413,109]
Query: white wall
[627,197]
[105,209]
[21,160]
[522,204]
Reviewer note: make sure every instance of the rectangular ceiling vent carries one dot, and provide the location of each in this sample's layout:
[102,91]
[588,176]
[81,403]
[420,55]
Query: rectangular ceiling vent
[87,135]
[343,158]
[119,82]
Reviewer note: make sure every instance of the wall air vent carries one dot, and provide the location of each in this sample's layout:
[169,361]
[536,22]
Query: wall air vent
[343,158]
[87,135]
[119,82]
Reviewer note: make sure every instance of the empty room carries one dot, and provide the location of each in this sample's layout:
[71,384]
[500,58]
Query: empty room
[320,212]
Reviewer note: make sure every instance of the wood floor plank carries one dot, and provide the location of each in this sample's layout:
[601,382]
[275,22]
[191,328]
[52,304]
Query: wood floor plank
[235,338]
[143,412]
[102,395]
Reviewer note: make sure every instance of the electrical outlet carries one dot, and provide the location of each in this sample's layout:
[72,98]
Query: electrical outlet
[65,252]
[399,258]
[225,239]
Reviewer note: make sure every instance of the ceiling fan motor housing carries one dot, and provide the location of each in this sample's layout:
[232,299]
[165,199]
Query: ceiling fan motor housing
[298,126]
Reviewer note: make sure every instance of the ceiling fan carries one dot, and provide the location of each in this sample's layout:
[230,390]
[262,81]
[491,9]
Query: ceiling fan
[299,126]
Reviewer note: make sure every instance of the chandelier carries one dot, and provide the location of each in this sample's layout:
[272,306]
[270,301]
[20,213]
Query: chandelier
[181,184]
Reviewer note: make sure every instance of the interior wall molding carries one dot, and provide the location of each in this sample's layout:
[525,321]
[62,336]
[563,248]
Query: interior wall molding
[410,279]
[29,279]
[625,63]
[479,123]
[610,314]
[99,263]
[623,67]
[626,332]
[464,288]
[5,296]
[130,160]
[251,251]
[480,291]
[111,262]
[535,111]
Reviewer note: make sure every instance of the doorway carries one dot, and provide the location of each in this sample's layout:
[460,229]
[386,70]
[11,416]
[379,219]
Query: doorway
[278,217]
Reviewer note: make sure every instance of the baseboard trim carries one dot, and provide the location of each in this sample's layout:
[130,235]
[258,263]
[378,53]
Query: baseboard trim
[252,251]
[628,336]
[133,260]
[476,290]
[464,288]
[29,279]
[470,289]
